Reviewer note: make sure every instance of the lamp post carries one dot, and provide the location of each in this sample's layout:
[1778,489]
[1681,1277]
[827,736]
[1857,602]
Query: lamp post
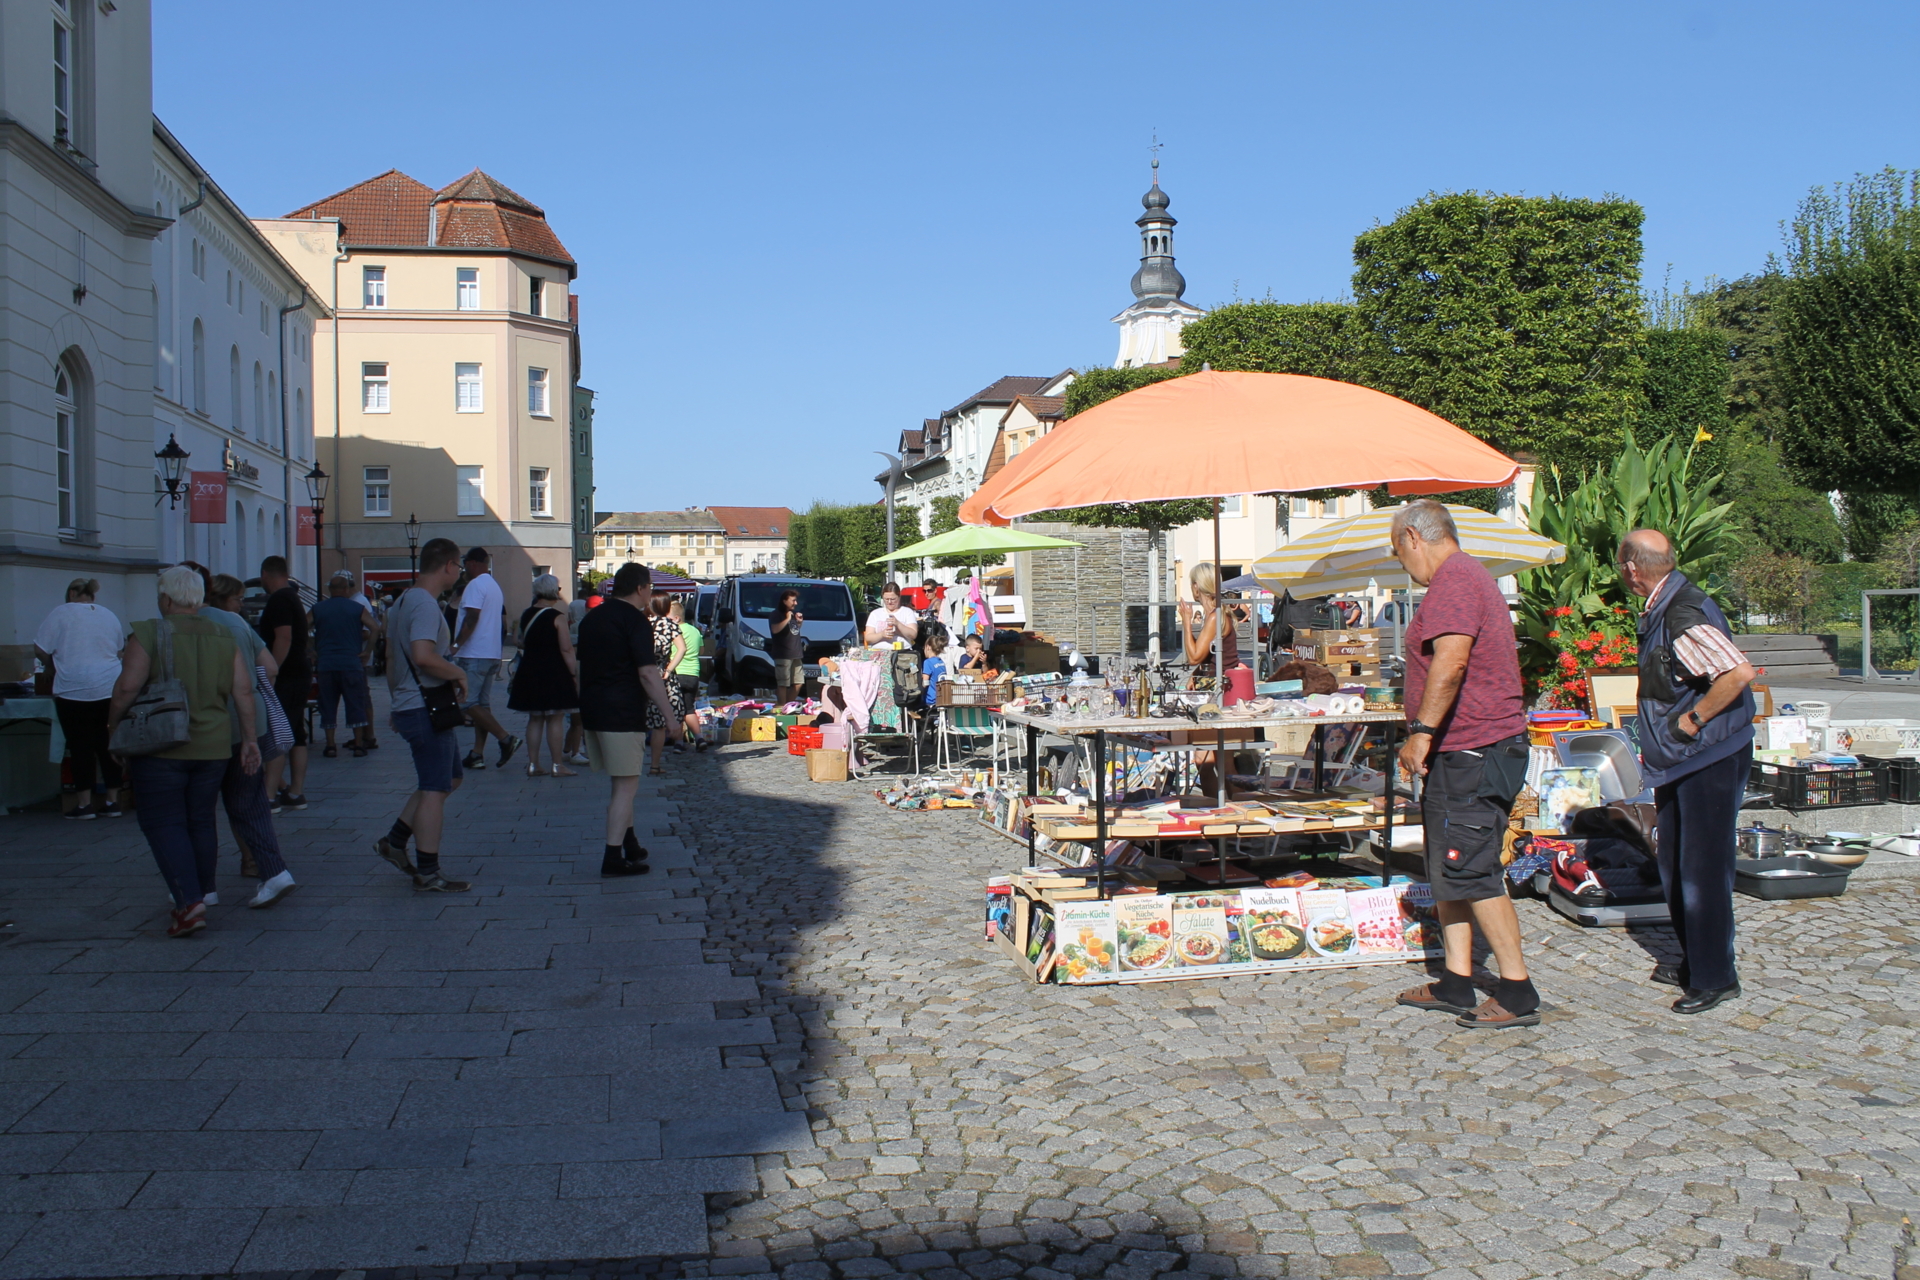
[316,480]
[413,548]
[173,466]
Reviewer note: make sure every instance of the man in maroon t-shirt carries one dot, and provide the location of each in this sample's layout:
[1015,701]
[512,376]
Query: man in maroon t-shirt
[1467,737]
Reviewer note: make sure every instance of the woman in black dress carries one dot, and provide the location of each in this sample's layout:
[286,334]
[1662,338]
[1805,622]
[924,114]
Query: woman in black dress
[546,678]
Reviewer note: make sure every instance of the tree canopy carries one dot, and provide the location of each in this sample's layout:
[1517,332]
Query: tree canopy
[1319,339]
[1849,353]
[1516,318]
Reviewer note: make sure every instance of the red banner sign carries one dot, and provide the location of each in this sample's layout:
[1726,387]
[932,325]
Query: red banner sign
[304,532]
[209,498]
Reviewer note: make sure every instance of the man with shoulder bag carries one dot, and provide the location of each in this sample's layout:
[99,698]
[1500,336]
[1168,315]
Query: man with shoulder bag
[1696,747]
[1467,738]
[427,692]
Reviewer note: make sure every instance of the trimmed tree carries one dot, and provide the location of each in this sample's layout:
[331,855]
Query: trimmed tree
[1517,319]
[1319,339]
[1849,354]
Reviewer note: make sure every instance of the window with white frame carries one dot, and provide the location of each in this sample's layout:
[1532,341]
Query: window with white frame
[468,396]
[537,392]
[373,286]
[535,287]
[470,491]
[1231,506]
[229,288]
[263,317]
[199,260]
[62,73]
[373,389]
[377,484]
[467,288]
[66,412]
[1330,507]
[1299,506]
[738,561]
[537,487]
[658,540]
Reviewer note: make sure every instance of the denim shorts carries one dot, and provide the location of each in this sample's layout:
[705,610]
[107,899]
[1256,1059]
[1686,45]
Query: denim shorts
[436,756]
[480,674]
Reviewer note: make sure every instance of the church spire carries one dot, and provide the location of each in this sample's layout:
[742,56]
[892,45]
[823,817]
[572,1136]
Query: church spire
[1157,276]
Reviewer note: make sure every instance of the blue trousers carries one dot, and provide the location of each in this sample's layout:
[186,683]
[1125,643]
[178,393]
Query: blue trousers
[1697,817]
[175,800]
[250,816]
[351,685]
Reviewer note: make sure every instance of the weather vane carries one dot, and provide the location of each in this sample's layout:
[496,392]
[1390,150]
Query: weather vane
[1154,151]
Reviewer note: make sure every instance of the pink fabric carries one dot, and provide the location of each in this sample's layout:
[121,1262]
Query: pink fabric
[861,680]
[835,737]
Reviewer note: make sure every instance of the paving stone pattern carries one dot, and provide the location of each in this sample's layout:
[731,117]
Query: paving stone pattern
[897,1099]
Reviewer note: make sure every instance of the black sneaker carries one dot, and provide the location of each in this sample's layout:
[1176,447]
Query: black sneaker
[474,760]
[290,801]
[434,882]
[85,813]
[397,855]
[111,810]
[274,805]
[507,748]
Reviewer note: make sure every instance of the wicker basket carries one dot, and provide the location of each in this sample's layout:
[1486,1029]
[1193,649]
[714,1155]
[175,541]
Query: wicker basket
[955,693]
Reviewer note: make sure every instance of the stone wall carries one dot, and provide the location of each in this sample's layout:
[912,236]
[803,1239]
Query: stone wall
[1074,594]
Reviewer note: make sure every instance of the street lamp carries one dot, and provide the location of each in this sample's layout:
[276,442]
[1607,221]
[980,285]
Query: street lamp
[413,547]
[173,463]
[317,494]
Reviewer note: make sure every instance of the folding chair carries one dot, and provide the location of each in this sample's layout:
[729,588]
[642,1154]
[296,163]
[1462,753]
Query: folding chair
[961,727]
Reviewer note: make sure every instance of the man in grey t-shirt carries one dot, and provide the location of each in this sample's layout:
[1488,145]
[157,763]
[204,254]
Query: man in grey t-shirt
[417,654]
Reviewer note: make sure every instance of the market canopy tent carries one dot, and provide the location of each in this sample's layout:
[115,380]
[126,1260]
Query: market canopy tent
[971,540]
[1209,435]
[1349,554]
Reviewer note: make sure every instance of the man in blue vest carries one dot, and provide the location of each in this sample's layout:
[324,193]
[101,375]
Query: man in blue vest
[1696,745]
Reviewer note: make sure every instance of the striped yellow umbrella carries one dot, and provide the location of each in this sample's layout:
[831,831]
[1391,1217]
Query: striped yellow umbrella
[1349,555]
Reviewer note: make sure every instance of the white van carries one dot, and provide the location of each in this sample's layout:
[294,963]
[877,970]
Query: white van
[742,624]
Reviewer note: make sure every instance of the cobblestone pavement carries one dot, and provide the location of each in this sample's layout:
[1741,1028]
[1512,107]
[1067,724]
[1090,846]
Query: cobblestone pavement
[964,1123]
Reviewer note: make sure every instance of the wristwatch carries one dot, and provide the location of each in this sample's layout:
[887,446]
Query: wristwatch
[1417,727]
[1693,718]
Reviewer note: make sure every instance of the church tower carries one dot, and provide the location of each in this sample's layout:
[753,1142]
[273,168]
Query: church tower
[1150,328]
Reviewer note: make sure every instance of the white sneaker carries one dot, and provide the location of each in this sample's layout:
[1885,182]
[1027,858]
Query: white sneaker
[212,899]
[273,890]
[578,757]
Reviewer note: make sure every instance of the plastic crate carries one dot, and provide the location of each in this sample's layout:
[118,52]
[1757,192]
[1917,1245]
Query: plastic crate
[1902,779]
[1796,786]
[802,738]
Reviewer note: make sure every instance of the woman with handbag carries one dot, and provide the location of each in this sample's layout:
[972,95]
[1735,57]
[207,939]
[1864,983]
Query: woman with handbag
[245,794]
[1200,619]
[545,678]
[668,647]
[170,721]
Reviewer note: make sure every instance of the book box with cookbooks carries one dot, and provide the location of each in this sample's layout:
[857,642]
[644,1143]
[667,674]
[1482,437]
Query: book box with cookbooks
[1159,937]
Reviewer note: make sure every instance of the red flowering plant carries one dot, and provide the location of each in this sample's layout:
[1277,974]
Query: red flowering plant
[1579,647]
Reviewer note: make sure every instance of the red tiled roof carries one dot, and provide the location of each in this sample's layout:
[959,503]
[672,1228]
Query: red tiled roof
[390,208]
[1044,406]
[476,212]
[753,522]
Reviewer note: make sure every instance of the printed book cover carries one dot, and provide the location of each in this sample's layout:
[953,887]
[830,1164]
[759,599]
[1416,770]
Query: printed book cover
[1087,942]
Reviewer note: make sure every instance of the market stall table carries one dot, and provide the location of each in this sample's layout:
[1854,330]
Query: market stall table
[1156,733]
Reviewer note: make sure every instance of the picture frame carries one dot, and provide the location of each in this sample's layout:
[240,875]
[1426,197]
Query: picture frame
[1616,687]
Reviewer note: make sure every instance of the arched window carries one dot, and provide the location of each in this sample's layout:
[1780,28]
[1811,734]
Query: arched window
[66,420]
[280,547]
[300,421]
[240,541]
[259,402]
[159,356]
[199,366]
[260,533]
[233,388]
[273,405]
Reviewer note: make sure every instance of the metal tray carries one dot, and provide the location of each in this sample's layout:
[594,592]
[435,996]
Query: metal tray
[1779,879]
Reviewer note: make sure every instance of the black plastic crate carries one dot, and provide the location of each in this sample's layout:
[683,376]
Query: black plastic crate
[1903,778]
[1798,786]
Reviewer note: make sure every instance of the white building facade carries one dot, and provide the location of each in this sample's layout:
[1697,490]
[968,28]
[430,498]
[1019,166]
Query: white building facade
[77,224]
[232,379]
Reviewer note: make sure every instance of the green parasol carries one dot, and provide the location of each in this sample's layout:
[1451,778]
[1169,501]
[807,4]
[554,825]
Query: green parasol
[970,540]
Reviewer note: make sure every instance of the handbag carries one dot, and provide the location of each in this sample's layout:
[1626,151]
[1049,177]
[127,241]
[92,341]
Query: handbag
[442,701]
[158,720]
[278,739]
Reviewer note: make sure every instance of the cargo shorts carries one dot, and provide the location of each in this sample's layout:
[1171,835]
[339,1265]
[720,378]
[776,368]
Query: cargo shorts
[1465,828]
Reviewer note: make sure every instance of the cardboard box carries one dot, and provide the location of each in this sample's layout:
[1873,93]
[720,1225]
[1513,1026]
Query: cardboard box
[740,729]
[824,765]
[1036,659]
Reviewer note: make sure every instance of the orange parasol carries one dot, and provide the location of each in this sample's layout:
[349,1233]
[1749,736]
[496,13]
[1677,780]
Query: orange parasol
[1208,435]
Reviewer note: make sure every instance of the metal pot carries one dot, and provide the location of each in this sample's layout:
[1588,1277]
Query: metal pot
[1761,841]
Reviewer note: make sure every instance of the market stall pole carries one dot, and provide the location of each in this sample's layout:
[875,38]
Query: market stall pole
[1136,729]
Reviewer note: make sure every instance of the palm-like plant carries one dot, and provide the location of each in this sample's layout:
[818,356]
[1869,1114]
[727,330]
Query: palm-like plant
[1643,489]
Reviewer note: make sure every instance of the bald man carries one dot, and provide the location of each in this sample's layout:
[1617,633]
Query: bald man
[1696,745]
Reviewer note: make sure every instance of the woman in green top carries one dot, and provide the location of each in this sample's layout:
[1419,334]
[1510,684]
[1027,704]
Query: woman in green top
[687,671]
[175,790]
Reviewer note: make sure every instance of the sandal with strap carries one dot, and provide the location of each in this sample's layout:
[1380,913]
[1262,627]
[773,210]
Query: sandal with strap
[656,773]
[561,771]
[535,771]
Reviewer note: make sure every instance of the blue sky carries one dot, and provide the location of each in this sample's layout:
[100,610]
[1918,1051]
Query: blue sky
[803,228]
